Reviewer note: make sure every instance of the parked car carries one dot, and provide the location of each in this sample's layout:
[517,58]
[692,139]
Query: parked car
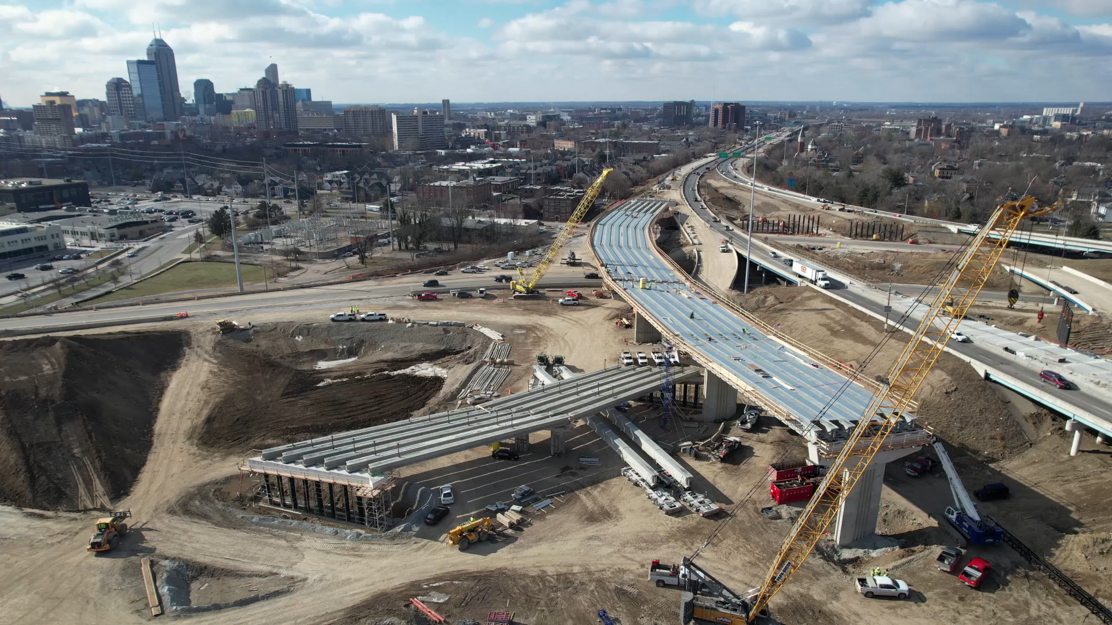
[975,572]
[447,497]
[67,271]
[440,272]
[431,283]
[15,276]
[658,358]
[673,357]
[591,275]
[959,337]
[372,316]
[463,294]
[468,270]
[436,514]
[569,301]
[1054,378]
[626,358]
[992,492]
[343,316]
[917,468]
[642,359]
[426,297]
[194,220]
[881,586]
[503,453]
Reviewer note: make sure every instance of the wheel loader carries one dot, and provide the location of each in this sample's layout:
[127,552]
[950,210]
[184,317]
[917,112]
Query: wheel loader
[109,531]
[479,530]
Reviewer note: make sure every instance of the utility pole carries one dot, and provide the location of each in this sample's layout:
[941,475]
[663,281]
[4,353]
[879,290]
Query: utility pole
[235,250]
[111,167]
[266,185]
[752,202]
[184,171]
[297,192]
[888,308]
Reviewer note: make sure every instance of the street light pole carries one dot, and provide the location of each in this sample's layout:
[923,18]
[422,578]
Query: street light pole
[752,200]
[235,250]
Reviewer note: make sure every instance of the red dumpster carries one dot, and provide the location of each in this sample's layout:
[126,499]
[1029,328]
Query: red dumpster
[791,490]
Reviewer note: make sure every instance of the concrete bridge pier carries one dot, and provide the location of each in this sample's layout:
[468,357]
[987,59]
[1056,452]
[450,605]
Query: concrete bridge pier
[719,399]
[858,513]
[643,331]
[556,441]
[1075,427]
[521,443]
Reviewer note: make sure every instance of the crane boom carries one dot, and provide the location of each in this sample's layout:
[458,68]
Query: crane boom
[957,488]
[888,405]
[523,286]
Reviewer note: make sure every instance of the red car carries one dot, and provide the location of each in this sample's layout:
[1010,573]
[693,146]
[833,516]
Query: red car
[1054,378]
[575,295]
[974,572]
[426,297]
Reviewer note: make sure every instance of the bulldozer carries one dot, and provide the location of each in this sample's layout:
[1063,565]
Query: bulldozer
[227,327]
[479,530]
[109,531]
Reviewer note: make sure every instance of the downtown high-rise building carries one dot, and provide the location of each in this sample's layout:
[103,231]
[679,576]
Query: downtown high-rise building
[303,95]
[677,114]
[54,121]
[266,105]
[446,110]
[727,115]
[366,121]
[121,104]
[204,96]
[163,56]
[271,73]
[143,76]
[243,99]
[421,131]
[287,108]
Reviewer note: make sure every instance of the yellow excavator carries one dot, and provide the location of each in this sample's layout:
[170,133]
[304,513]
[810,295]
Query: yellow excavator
[956,294]
[479,530]
[523,286]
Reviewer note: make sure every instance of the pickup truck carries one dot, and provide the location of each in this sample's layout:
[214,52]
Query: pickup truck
[949,559]
[882,587]
[671,574]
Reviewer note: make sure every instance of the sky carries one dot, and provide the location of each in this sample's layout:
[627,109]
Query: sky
[381,51]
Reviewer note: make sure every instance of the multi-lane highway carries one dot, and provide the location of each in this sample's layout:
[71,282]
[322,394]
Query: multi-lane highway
[1072,402]
[718,338]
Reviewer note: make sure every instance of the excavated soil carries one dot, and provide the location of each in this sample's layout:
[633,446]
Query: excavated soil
[894,267]
[285,382]
[76,415]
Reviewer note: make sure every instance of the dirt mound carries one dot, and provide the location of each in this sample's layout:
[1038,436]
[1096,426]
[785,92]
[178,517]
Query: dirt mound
[286,382]
[895,267]
[76,415]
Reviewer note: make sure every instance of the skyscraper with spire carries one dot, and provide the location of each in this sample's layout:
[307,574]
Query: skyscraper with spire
[163,56]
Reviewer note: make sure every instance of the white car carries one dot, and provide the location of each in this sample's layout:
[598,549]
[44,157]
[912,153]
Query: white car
[658,358]
[569,301]
[372,316]
[344,316]
[626,358]
[673,358]
[642,359]
[447,497]
[773,255]
[959,337]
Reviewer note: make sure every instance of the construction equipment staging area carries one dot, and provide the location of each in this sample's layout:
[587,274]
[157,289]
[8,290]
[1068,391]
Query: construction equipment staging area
[346,476]
[817,402]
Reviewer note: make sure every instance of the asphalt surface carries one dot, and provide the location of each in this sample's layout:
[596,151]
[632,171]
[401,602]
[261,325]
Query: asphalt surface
[1001,361]
[341,296]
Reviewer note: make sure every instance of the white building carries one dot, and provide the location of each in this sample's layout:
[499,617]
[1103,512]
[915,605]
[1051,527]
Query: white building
[18,239]
[421,131]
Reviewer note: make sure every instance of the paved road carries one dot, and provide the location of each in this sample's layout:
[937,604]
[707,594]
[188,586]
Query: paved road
[325,297]
[856,293]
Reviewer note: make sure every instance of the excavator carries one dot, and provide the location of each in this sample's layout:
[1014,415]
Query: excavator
[956,294]
[479,530]
[227,327]
[109,531]
[526,286]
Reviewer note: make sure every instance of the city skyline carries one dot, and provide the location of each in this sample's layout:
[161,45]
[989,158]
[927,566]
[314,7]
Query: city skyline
[624,50]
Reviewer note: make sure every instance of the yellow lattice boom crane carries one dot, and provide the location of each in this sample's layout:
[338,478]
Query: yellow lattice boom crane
[950,305]
[523,286]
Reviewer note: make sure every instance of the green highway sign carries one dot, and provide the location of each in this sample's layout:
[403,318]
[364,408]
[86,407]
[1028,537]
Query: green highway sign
[736,155]
[723,155]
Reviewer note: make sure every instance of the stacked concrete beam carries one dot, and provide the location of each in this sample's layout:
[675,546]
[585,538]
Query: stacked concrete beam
[649,446]
[624,450]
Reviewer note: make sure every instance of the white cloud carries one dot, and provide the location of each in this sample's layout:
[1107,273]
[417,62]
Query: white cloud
[795,11]
[942,20]
[486,22]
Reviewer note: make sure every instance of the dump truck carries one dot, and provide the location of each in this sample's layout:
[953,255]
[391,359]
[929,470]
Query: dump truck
[109,531]
[817,277]
[479,530]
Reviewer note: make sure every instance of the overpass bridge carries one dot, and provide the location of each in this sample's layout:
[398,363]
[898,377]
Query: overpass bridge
[346,475]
